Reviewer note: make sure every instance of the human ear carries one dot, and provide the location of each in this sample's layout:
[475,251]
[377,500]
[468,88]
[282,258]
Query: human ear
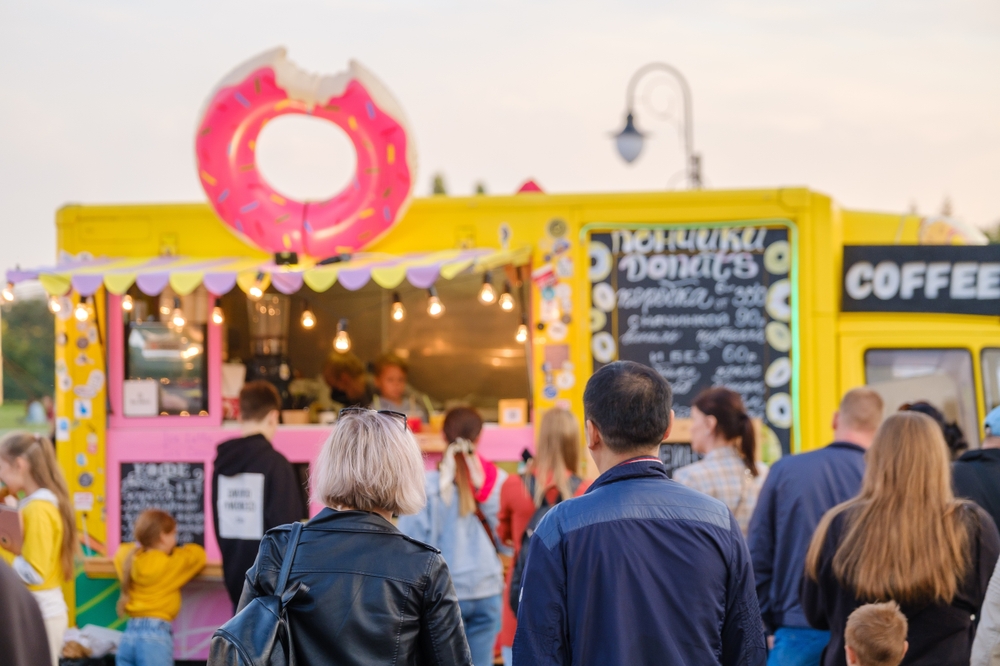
[852,657]
[670,427]
[593,436]
[836,420]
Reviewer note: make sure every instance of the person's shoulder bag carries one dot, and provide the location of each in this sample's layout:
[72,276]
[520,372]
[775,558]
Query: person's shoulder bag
[259,634]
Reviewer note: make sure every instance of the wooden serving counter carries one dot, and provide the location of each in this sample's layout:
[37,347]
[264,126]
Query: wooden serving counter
[104,567]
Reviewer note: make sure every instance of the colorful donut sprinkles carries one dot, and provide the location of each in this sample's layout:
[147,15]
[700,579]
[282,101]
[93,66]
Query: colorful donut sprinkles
[269,86]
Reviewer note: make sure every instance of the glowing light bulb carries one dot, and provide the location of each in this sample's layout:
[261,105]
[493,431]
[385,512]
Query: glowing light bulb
[81,313]
[177,317]
[435,307]
[217,316]
[506,301]
[8,292]
[127,303]
[308,319]
[54,305]
[256,292]
[342,341]
[522,333]
[398,312]
[487,295]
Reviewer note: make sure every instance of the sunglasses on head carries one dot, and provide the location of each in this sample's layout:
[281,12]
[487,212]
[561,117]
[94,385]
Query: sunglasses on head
[387,412]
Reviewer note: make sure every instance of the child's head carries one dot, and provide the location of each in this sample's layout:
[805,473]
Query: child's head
[260,403]
[390,377]
[156,529]
[876,635]
[28,463]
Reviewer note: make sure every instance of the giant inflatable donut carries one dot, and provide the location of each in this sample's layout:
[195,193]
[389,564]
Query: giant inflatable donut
[269,86]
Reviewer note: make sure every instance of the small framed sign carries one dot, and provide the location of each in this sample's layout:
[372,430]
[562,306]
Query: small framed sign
[513,413]
[141,397]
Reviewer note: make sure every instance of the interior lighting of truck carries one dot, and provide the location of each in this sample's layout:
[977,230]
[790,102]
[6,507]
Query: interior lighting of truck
[342,341]
[177,318]
[217,316]
[308,319]
[8,292]
[522,333]
[81,312]
[127,303]
[54,305]
[435,307]
[398,312]
[256,291]
[506,299]
[487,295]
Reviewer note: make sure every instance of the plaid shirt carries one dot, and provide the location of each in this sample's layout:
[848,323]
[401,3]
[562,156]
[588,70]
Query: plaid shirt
[723,475]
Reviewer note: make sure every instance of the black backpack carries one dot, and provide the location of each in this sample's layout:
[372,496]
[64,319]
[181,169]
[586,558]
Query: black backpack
[522,557]
[259,634]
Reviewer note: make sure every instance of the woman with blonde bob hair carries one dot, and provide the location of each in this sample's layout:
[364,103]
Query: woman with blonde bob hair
[904,538]
[371,594]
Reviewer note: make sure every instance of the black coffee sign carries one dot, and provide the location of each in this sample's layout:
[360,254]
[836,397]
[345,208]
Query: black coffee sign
[704,307]
[175,487]
[955,279]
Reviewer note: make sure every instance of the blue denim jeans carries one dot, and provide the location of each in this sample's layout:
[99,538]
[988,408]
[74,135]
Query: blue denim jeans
[481,618]
[798,646]
[146,642]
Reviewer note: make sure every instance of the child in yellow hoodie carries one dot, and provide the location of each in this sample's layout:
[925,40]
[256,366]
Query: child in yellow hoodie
[152,573]
[28,465]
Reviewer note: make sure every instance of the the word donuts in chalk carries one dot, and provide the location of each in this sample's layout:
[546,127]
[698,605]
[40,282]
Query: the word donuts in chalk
[269,86]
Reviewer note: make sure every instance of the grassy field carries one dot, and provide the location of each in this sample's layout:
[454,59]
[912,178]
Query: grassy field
[12,418]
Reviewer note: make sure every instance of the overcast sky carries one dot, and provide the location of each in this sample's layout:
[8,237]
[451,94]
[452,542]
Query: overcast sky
[881,104]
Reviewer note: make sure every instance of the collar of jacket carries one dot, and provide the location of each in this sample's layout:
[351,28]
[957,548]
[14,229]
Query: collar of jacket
[847,445]
[635,468]
[980,454]
[352,521]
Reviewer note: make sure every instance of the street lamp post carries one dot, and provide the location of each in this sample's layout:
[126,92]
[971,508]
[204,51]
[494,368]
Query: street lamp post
[630,140]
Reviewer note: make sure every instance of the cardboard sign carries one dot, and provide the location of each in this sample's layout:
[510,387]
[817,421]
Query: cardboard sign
[141,397]
[241,506]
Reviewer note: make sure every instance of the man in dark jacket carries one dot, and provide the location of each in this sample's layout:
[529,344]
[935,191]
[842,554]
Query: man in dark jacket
[639,570]
[977,472]
[254,488]
[798,490]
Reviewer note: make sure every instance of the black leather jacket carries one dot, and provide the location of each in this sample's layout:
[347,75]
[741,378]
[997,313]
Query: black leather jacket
[375,595]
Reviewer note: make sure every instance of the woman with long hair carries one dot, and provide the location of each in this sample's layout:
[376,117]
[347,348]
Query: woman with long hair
[152,571]
[722,432]
[460,518]
[550,477]
[907,539]
[28,465]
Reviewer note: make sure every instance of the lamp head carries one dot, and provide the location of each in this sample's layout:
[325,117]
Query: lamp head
[629,140]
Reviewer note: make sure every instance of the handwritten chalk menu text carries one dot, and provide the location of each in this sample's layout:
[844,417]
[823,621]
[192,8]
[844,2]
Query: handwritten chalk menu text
[704,307]
[175,487]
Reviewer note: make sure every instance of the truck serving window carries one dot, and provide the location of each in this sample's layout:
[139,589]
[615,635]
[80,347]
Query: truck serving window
[991,377]
[942,377]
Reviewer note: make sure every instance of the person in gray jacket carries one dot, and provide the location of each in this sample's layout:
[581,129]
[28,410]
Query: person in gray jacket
[986,646]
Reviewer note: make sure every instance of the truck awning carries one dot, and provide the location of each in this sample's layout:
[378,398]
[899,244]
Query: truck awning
[219,275]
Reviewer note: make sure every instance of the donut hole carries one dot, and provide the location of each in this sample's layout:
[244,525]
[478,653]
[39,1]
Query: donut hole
[304,157]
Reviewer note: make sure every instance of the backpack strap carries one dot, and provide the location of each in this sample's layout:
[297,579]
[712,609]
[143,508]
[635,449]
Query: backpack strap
[286,563]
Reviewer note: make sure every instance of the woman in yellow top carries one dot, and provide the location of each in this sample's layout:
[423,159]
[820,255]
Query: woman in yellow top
[45,561]
[152,573]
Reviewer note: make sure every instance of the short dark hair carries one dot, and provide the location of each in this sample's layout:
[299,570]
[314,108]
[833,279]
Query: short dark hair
[389,359]
[257,399]
[630,405]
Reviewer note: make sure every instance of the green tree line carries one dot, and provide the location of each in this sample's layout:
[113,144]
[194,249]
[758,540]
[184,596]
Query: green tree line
[27,330]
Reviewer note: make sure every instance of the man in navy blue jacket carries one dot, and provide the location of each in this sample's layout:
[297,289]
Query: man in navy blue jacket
[639,570]
[798,490]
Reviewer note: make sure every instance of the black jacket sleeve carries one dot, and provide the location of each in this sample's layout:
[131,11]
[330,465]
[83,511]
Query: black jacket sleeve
[282,495]
[252,587]
[818,596]
[985,553]
[442,636]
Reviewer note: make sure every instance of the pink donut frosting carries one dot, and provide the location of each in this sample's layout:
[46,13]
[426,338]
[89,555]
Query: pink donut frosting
[269,86]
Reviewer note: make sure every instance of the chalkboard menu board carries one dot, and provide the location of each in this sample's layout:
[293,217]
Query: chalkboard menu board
[704,307]
[175,487]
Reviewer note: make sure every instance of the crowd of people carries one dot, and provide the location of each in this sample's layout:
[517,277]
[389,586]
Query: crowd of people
[877,549]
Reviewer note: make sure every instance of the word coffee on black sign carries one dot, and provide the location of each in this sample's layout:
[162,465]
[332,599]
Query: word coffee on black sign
[956,279]
[704,307]
[175,487]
